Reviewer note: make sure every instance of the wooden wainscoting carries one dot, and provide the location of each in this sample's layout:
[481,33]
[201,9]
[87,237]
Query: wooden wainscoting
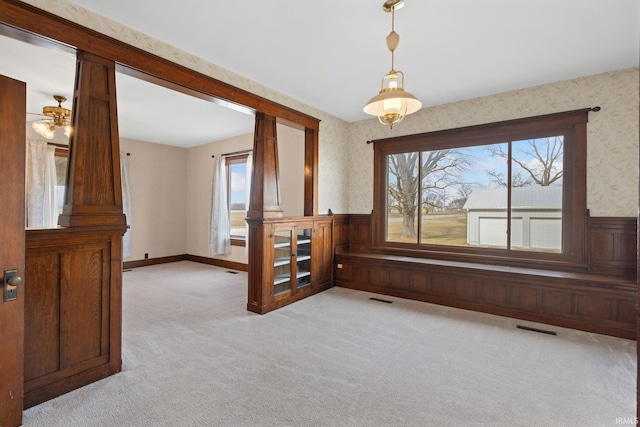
[341,229]
[602,300]
[612,246]
[73,298]
[360,237]
[592,303]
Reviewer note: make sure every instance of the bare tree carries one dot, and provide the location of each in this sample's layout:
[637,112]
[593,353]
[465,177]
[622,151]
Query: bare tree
[463,191]
[517,180]
[403,193]
[437,171]
[541,162]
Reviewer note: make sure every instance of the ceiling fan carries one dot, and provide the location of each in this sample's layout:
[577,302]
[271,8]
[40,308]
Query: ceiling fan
[57,116]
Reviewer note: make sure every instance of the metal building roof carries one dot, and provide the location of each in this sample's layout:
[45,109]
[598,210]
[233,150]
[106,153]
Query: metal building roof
[521,198]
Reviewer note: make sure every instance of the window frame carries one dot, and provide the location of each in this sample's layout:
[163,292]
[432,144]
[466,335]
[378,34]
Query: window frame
[234,160]
[571,124]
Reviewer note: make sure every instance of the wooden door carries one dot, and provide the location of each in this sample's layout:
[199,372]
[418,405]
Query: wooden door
[12,159]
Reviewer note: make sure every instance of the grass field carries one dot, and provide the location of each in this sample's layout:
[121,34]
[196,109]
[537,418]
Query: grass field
[450,229]
[238,224]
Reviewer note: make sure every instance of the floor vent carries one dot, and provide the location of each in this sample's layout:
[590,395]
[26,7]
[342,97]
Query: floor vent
[542,331]
[232,272]
[381,300]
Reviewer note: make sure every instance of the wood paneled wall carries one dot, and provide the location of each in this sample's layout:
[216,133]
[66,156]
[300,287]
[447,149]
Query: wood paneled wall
[612,246]
[602,301]
[73,304]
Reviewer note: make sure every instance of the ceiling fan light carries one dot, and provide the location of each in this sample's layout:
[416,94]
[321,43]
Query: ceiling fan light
[60,117]
[43,128]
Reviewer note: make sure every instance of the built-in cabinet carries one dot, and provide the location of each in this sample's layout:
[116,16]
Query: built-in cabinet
[292,259]
[601,299]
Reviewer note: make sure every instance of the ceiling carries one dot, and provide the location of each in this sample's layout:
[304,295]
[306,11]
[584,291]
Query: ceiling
[332,54]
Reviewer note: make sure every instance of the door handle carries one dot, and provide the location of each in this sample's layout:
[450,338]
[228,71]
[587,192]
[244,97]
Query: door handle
[11,283]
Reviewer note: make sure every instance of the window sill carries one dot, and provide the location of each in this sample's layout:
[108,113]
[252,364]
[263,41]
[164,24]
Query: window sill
[559,262]
[238,242]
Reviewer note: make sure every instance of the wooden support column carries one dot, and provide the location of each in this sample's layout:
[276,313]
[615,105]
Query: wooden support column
[265,181]
[94,193]
[73,303]
[264,203]
[310,171]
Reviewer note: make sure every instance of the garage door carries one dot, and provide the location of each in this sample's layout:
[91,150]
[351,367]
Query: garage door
[493,231]
[546,233]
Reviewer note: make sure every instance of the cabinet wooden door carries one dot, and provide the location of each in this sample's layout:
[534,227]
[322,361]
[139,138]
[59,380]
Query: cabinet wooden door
[322,253]
[12,158]
[292,258]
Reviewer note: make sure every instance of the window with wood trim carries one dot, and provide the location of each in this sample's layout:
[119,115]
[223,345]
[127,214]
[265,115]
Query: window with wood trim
[514,189]
[237,197]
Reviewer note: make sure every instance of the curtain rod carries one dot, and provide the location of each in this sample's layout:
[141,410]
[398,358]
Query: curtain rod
[235,152]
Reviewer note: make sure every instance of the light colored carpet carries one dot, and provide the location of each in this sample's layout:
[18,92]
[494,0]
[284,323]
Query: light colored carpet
[193,356]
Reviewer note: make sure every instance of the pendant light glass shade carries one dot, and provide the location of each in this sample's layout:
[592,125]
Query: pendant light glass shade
[392,104]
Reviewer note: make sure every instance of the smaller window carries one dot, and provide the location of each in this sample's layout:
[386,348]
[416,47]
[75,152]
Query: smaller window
[237,194]
[62,158]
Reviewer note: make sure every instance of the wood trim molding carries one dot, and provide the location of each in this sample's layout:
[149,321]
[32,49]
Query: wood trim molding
[223,263]
[139,63]
[152,261]
[186,257]
[238,242]
[310,172]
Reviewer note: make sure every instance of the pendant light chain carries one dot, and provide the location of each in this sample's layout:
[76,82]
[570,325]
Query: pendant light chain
[393,26]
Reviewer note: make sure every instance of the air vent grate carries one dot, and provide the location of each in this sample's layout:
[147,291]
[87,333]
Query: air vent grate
[381,300]
[542,331]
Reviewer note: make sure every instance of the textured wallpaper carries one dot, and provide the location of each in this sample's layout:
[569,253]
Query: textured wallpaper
[346,161]
[612,136]
[333,161]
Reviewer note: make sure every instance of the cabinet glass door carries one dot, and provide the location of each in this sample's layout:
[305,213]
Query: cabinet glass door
[303,257]
[282,262]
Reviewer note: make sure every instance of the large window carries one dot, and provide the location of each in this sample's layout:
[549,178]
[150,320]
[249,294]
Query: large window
[511,189]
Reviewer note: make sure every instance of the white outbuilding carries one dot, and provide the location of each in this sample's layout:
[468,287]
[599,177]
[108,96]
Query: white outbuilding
[536,217]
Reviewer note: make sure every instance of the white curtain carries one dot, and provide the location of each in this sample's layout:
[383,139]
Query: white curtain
[247,178]
[219,238]
[41,180]
[126,204]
